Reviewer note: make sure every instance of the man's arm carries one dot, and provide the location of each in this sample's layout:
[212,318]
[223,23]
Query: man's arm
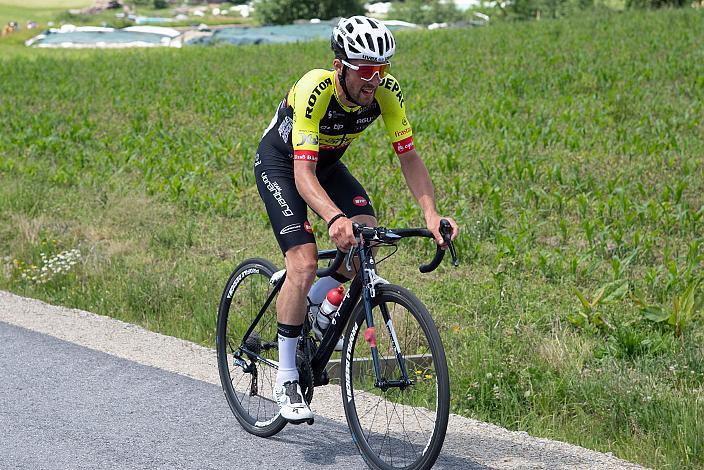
[418,181]
[312,192]
[317,199]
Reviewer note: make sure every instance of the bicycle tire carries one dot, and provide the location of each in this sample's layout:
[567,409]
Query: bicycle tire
[412,432]
[250,400]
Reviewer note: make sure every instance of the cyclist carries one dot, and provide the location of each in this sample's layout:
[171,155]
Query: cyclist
[298,166]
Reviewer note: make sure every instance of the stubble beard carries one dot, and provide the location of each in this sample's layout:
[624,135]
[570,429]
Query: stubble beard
[363,100]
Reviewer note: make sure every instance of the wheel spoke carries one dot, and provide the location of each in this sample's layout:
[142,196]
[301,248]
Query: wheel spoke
[397,425]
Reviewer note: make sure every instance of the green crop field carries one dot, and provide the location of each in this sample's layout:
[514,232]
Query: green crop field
[571,152]
[40,11]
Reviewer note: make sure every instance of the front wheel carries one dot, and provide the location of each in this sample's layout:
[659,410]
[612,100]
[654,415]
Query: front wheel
[396,424]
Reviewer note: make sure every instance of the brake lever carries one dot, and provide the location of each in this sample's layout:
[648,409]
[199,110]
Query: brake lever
[455,261]
[446,232]
[348,258]
[356,229]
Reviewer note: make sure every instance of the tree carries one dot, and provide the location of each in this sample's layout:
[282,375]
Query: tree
[328,9]
[548,8]
[286,11]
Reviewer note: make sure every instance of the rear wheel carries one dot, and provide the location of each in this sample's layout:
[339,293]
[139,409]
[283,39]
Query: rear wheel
[394,425]
[248,377]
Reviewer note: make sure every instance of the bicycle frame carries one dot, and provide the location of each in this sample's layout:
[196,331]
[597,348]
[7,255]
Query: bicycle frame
[362,287]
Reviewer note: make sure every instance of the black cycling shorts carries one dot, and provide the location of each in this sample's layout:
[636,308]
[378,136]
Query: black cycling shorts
[287,210]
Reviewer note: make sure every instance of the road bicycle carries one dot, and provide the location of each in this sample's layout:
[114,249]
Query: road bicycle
[394,380]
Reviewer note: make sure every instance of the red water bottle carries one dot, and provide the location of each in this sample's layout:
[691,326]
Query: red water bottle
[332,302]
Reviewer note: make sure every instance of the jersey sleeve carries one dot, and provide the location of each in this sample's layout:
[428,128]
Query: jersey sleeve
[393,112]
[309,99]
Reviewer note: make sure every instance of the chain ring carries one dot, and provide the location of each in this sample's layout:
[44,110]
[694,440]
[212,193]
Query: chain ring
[305,370]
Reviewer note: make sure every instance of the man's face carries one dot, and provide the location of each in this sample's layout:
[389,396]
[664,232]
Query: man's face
[361,91]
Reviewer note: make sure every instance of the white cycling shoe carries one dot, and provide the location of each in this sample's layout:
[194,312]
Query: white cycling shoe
[294,408]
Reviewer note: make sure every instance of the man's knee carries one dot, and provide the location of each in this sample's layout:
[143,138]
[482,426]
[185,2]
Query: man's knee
[368,220]
[301,264]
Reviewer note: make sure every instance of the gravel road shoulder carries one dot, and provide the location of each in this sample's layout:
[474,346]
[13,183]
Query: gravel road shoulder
[487,445]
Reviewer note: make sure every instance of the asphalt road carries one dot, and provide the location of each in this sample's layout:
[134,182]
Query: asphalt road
[80,390]
[64,406]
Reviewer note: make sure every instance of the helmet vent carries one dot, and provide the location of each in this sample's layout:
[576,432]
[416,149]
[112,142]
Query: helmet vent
[380,43]
[370,41]
[372,23]
[358,20]
[387,46]
[353,49]
[349,28]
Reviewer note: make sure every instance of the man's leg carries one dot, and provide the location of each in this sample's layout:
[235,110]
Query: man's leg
[288,213]
[301,263]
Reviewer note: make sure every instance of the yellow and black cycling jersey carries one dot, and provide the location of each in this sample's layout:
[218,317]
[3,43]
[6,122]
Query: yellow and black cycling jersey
[312,124]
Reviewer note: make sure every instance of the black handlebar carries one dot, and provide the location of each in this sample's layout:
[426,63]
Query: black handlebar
[334,266]
[446,232]
[391,235]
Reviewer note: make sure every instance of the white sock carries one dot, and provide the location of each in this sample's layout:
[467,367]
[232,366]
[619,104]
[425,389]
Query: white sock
[287,360]
[320,289]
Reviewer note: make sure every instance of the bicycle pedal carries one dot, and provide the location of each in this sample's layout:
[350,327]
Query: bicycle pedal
[301,421]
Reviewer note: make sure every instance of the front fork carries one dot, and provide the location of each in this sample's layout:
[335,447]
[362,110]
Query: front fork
[368,293]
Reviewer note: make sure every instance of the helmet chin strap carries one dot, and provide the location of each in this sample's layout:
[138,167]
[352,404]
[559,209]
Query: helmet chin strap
[343,84]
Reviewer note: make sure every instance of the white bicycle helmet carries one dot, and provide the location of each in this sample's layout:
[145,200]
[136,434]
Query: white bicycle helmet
[359,37]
